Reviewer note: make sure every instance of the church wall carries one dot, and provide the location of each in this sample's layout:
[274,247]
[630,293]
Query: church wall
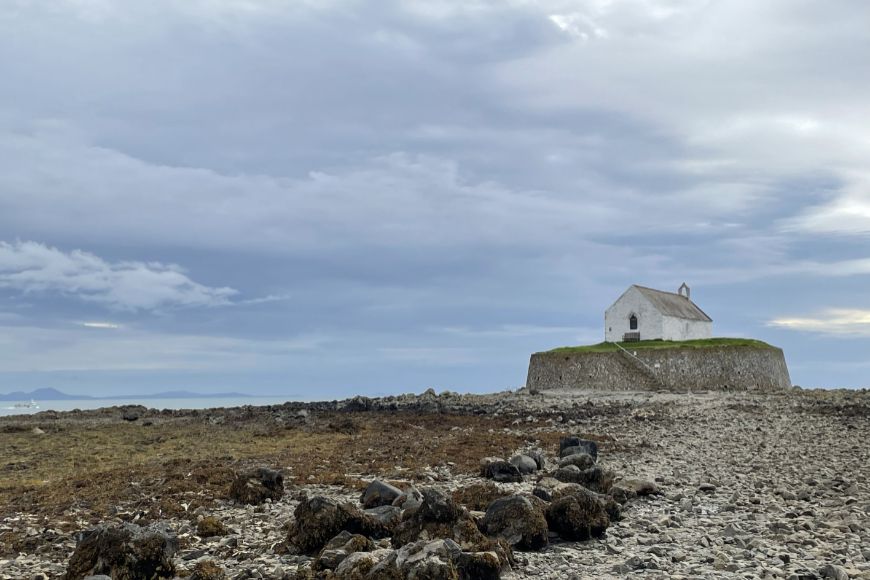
[616,317]
[681,329]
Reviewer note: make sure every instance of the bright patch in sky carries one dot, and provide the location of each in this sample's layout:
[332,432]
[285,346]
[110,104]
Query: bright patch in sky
[105,325]
[830,321]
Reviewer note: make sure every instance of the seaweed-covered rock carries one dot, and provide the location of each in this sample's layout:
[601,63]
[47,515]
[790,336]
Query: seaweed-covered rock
[573,444]
[437,507]
[210,526]
[503,472]
[340,547]
[319,519]
[579,460]
[595,478]
[257,485]
[611,506]
[478,565]
[362,565]
[638,487]
[438,517]
[125,552]
[580,516]
[486,462]
[518,521]
[207,570]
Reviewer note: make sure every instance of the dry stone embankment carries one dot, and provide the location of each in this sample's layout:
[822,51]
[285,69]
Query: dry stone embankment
[727,368]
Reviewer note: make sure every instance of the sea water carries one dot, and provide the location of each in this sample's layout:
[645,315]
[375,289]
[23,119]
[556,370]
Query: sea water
[7,408]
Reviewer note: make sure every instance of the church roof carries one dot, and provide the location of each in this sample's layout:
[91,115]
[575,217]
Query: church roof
[672,304]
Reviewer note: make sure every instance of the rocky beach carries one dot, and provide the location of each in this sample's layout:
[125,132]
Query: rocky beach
[511,485]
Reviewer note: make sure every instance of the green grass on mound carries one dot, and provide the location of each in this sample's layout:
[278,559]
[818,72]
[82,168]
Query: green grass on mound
[653,344]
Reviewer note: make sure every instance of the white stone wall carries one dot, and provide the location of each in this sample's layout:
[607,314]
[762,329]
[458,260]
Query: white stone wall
[649,320]
[682,329]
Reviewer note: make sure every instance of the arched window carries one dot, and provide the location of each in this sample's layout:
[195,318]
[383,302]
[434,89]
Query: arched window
[632,322]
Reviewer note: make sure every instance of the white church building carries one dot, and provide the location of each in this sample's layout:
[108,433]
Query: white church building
[647,314]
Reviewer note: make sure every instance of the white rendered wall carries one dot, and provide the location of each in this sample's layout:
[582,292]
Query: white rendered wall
[649,320]
[682,329]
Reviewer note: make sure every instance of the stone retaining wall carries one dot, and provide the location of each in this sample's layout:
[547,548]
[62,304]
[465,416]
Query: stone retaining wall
[740,368]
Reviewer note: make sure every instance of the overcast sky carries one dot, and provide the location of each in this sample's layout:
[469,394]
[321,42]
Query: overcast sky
[327,197]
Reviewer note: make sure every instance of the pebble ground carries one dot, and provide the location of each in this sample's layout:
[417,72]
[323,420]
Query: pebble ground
[753,486]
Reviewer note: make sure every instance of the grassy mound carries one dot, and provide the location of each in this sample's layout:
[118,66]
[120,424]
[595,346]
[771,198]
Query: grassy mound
[660,344]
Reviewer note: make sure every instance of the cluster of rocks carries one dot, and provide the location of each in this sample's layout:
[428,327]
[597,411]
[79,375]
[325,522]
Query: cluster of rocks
[391,533]
[737,486]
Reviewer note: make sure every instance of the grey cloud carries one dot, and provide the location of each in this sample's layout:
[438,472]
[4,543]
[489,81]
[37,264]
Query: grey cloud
[31,267]
[397,167]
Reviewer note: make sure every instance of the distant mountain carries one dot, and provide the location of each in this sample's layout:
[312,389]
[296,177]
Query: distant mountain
[55,395]
[41,395]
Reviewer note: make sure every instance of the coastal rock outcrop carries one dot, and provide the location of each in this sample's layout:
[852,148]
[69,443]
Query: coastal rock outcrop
[379,493]
[578,517]
[319,519]
[257,485]
[517,520]
[124,552]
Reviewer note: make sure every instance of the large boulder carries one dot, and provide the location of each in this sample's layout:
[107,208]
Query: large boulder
[428,560]
[578,517]
[580,460]
[438,517]
[362,566]
[610,505]
[503,472]
[379,493]
[388,515]
[539,458]
[525,464]
[478,565]
[438,507]
[257,485]
[408,499]
[572,444]
[339,548]
[518,521]
[319,519]
[595,478]
[125,552]
[441,559]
